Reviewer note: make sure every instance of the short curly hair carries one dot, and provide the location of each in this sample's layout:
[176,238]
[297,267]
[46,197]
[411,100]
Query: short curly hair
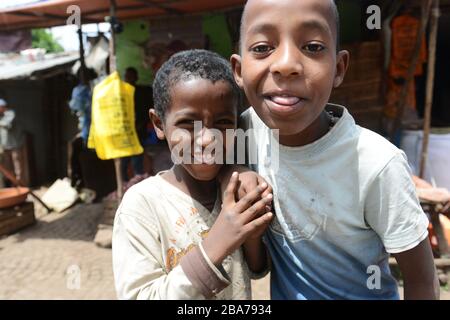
[186,65]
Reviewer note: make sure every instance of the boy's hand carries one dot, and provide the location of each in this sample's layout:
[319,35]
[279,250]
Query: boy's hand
[248,181]
[237,221]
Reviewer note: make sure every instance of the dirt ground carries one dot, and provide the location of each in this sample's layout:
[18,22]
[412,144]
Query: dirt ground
[57,259]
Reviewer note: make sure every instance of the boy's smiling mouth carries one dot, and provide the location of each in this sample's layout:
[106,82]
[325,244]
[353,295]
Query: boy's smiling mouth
[283,103]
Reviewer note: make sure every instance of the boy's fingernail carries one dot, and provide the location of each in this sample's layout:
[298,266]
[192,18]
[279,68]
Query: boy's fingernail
[264,185]
[234,174]
[269,196]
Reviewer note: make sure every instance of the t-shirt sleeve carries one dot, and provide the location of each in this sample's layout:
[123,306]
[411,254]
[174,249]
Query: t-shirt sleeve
[392,208]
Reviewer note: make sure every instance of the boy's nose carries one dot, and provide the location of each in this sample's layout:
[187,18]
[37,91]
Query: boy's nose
[205,137]
[287,61]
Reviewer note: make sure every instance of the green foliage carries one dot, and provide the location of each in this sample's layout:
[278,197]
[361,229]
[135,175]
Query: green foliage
[41,38]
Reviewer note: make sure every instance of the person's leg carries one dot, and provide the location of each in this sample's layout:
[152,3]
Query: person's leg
[8,164]
[2,181]
[17,160]
[138,164]
[76,175]
[24,164]
[124,162]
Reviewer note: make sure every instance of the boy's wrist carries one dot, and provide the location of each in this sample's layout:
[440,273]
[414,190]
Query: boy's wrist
[214,254]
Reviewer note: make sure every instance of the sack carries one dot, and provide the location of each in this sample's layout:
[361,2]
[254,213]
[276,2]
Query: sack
[113,133]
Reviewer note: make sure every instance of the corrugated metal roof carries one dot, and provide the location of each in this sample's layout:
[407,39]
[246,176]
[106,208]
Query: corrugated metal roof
[54,12]
[10,70]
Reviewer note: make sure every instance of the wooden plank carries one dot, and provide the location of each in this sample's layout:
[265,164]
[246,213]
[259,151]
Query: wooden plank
[364,70]
[357,92]
[15,218]
[364,49]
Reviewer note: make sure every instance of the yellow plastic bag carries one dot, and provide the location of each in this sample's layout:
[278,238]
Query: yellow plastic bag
[113,133]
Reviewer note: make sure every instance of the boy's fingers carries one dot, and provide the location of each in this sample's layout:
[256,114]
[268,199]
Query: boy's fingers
[248,186]
[253,225]
[267,191]
[265,194]
[269,188]
[257,209]
[230,191]
[245,203]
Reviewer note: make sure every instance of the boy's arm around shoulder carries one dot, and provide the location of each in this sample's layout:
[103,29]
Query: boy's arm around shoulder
[254,249]
[393,211]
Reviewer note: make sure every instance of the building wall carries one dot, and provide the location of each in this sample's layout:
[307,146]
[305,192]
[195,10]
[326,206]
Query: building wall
[361,91]
[42,112]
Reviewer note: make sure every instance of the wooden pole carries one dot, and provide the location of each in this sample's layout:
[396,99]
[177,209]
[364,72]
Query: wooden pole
[426,7]
[82,62]
[112,41]
[112,68]
[430,84]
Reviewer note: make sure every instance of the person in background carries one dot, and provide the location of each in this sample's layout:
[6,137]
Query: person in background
[81,101]
[12,140]
[80,105]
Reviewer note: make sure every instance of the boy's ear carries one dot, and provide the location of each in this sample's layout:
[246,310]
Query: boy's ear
[157,124]
[236,66]
[342,62]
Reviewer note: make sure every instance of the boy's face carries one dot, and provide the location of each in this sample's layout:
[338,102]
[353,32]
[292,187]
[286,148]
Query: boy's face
[198,102]
[288,64]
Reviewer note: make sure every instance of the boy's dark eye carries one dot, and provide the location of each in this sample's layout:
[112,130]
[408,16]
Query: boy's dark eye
[225,122]
[314,47]
[185,122]
[261,49]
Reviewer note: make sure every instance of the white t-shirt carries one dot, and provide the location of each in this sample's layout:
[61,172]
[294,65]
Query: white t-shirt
[342,204]
[156,225]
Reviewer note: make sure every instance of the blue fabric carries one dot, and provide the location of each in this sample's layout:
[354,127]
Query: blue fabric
[81,104]
[318,270]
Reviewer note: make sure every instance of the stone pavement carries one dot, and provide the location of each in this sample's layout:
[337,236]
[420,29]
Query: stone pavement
[57,259]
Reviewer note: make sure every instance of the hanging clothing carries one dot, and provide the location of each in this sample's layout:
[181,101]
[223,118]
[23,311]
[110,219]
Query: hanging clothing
[404,34]
[81,104]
